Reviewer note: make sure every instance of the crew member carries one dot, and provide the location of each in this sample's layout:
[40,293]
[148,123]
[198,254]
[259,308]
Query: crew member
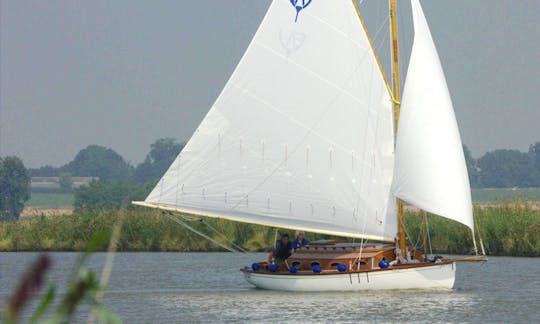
[300,241]
[281,251]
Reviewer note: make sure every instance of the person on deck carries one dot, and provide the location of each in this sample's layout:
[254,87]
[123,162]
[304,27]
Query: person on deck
[281,251]
[300,241]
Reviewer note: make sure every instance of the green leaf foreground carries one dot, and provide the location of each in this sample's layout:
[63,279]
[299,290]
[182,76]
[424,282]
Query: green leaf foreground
[83,288]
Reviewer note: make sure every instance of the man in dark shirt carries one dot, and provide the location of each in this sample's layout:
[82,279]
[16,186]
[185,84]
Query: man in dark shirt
[282,250]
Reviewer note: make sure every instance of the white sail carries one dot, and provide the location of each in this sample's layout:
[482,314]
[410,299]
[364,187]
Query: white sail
[430,170]
[302,134]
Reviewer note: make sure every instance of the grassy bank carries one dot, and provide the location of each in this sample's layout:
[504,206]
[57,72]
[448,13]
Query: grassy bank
[50,200]
[511,229]
[504,195]
[506,230]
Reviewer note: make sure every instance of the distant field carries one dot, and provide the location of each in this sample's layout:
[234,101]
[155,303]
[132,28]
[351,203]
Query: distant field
[55,200]
[52,200]
[505,194]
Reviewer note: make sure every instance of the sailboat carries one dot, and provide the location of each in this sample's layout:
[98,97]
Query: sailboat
[308,135]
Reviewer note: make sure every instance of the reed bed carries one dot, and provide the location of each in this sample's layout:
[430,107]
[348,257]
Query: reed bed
[512,229]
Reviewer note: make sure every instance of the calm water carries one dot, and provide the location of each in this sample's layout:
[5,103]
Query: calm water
[207,287]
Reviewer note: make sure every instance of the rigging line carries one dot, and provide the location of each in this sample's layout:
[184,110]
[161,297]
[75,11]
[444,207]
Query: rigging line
[315,74]
[477,225]
[409,237]
[361,245]
[334,28]
[381,45]
[416,244]
[427,230]
[377,116]
[225,237]
[190,218]
[377,60]
[359,259]
[377,33]
[482,247]
[178,221]
[475,248]
[419,241]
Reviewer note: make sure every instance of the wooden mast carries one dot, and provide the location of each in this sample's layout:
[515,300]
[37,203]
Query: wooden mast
[401,243]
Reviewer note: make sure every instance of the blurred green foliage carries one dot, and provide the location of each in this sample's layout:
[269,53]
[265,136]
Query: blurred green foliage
[82,288]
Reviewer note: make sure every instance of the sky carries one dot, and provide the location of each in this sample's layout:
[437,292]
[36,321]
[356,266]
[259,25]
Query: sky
[124,73]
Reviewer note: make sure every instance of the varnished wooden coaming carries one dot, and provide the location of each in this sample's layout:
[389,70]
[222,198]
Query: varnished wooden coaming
[355,259]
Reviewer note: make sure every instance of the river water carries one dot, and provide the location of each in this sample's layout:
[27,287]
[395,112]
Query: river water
[207,287]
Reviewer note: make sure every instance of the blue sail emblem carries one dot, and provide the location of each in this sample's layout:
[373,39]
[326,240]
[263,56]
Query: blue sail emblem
[299,5]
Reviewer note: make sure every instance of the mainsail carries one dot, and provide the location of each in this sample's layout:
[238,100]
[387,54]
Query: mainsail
[430,170]
[302,134]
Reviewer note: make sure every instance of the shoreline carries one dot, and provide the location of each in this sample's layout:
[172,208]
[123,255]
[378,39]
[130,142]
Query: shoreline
[264,253]
[511,229]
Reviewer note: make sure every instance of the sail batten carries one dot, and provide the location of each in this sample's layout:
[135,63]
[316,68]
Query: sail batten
[232,217]
[430,170]
[301,135]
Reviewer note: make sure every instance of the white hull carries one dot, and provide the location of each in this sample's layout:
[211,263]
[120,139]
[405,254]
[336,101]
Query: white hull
[440,276]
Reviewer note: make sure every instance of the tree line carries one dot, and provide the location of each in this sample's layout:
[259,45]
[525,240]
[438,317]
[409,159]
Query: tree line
[107,165]
[505,168]
[119,182]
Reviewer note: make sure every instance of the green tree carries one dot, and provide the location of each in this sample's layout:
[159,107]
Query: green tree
[104,195]
[534,152]
[66,182]
[14,187]
[99,161]
[472,170]
[506,168]
[162,154]
[45,171]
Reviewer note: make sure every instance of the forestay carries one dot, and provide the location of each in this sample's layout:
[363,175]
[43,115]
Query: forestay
[430,170]
[302,134]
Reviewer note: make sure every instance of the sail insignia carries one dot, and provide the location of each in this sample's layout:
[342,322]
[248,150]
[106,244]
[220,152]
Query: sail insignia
[299,5]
